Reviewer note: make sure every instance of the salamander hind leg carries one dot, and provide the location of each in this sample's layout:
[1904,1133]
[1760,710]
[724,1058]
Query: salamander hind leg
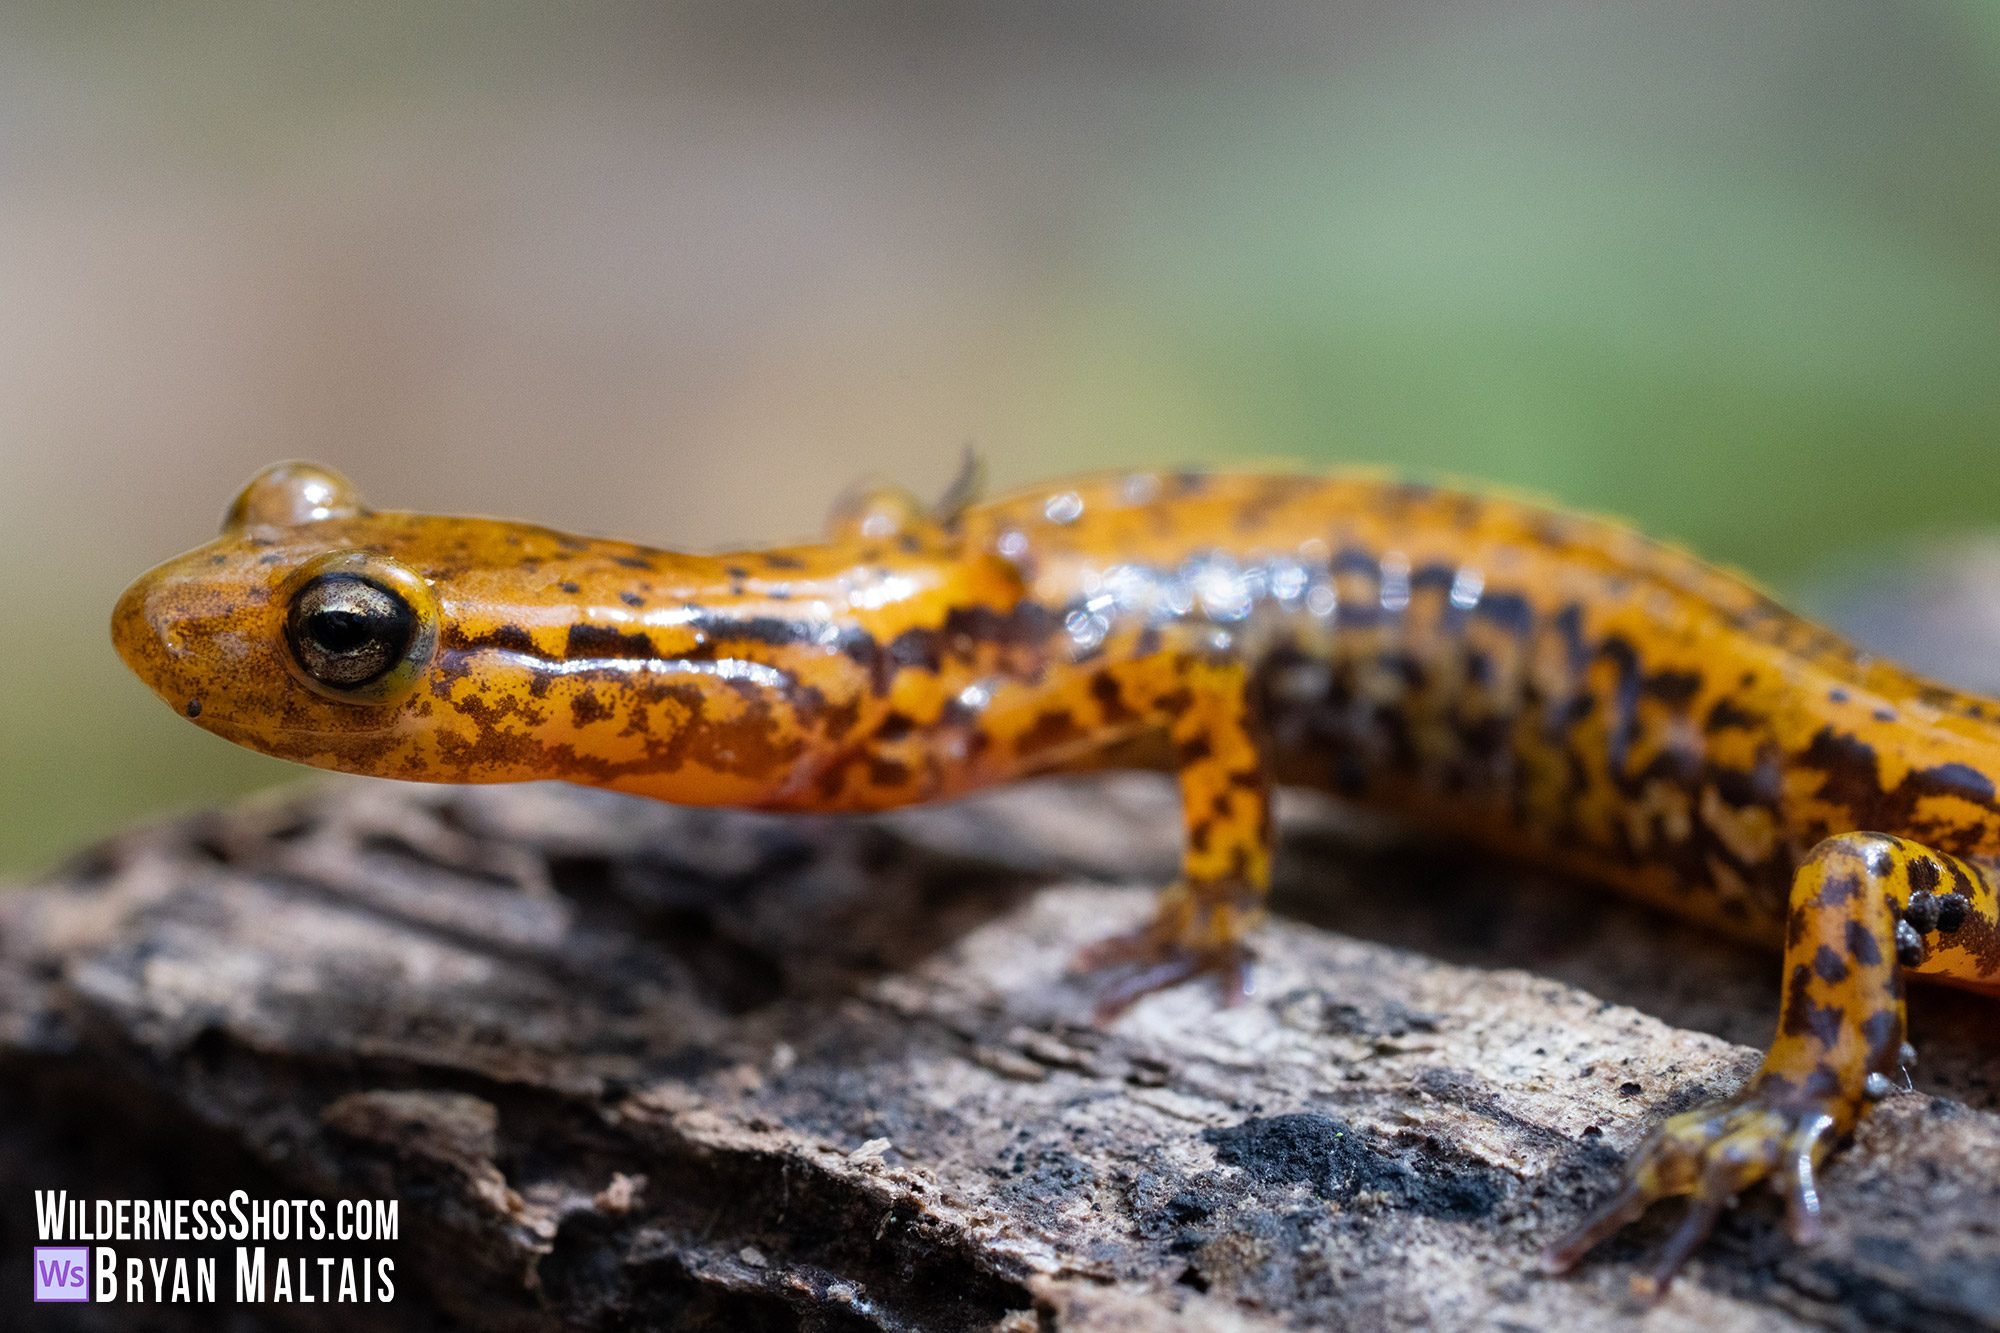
[1205,918]
[1861,906]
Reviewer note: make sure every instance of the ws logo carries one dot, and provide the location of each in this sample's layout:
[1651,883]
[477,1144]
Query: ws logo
[62,1273]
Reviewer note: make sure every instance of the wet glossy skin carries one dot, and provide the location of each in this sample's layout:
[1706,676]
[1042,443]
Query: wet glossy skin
[1554,686]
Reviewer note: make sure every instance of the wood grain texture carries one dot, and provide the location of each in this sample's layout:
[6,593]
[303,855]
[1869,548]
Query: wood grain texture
[627,1065]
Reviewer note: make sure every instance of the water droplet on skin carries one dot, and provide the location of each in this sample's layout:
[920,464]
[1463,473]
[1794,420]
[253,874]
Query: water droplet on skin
[1064,508]
[1132,589]
[1224,593]
[1086,629]
[1395,581]
[1288,580]
[1140,488]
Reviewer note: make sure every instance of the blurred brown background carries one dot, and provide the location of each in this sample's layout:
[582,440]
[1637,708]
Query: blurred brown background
[681,272]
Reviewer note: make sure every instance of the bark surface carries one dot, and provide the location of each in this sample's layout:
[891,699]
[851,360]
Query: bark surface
[628,1066]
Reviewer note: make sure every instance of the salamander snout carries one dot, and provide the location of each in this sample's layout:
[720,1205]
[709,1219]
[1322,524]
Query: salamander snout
[154,641]
[181,630]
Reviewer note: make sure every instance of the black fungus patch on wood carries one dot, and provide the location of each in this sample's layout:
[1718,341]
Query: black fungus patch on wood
[1339,1162]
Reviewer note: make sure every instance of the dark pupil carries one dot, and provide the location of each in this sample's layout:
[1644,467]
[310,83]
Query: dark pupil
[347,632]
[341,631]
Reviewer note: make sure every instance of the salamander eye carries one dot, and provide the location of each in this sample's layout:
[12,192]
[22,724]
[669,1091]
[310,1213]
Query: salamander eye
[347,631]
[360,626]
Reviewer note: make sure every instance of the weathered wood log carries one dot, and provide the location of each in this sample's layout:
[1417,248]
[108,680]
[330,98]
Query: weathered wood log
[624,1065]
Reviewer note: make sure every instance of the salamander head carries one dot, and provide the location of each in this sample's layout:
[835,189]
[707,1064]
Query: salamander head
[475,650]
[296,628]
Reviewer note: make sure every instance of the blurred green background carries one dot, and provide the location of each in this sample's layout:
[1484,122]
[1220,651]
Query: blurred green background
[681,271]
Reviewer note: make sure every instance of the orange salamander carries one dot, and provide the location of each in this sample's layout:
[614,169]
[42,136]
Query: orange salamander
[1551,686]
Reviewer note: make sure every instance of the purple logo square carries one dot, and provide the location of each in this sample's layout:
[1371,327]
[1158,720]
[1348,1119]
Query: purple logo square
[62,1272]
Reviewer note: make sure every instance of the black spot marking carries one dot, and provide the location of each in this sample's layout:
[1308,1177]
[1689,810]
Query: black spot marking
[1739,789]
[1921,912]
[1104,689]
[1676,689]
[1884,1034]
[507,638]
[1625,702]
[601,641]
[1923,873]
[778,560]
[1851,772]
[1052,728]
[570,588]
[1803,1018]
[1355,560]
[632,562]
[1510,611]
[772,630]
[1828,966]
[1568,625]
[1951,911]
[194,708]
[1434,576]
[887,772]
[1861,946]
[1960,780]
[918,647]
[1726,714]
[631,599]
[587,708]
[1837,889]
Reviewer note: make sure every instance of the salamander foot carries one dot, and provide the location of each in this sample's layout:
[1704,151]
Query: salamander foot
[1127,968]
[1714,1152]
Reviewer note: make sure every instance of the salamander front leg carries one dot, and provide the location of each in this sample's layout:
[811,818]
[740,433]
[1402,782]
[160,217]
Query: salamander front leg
[1862,905]
[1205,918]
